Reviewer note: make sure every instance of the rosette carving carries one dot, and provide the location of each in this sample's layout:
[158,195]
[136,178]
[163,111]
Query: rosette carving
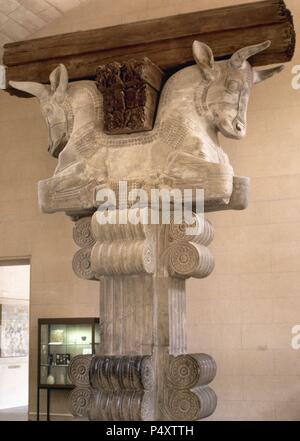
[187,259]
[200,231]
[82,264]
[78,370]
[186,405]
[189,371]
[82,233]
[182,405]
[80,398]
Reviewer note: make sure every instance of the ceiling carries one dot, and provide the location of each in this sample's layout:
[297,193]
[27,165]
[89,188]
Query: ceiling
[19,19]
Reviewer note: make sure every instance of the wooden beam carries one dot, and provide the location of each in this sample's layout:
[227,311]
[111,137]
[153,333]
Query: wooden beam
[166,41]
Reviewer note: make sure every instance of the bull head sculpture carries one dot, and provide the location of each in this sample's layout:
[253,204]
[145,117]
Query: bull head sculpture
[200,101]
[54,107]
[229,86]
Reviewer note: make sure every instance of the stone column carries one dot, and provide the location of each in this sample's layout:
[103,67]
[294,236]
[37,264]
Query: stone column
[143,371]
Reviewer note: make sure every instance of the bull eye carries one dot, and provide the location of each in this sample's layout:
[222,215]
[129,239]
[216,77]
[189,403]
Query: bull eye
[233,85]
[48,109]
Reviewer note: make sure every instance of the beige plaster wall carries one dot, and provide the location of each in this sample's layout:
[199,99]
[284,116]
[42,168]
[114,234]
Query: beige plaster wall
[244,312]
[25,232]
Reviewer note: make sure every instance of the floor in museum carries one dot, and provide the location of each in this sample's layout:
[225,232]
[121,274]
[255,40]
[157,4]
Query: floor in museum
[14,414]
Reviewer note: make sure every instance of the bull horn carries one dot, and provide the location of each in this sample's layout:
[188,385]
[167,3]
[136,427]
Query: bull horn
[59,80]
[239,57]
[35,89]
[262,75]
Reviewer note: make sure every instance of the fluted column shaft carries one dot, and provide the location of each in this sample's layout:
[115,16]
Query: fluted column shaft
[142,271]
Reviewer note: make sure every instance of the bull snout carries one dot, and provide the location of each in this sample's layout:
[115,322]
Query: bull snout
[55,147]
[240,128]
[54,150]
[235,129]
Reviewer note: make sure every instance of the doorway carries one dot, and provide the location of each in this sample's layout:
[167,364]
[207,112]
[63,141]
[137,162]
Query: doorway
[14,335]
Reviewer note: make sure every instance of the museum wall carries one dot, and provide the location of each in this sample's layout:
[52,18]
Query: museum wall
[244,312]
[25,232]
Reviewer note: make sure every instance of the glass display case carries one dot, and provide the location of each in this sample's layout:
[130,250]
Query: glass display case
[59,340]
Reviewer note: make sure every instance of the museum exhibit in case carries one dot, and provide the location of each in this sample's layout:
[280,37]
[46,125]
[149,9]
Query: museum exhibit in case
[14,322]
[59,341]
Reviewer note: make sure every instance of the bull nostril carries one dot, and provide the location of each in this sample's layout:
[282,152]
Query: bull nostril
[239,127]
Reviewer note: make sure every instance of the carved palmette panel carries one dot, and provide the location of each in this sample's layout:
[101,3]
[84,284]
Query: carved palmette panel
[130,92]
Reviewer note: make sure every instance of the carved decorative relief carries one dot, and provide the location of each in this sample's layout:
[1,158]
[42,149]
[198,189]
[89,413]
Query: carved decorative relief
[182,150]
[201,229]
[191,370]
[80,401]
[112,388]
[187,395]
[142,371]
[82,234]
[187,253]
[78,370]
[187,259]
[123,257]
[130,93]
[123,387]
[120,406]
[121,373]
[82,264]
[187,405]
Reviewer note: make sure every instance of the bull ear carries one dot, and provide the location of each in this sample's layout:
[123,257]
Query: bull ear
[204,58]
[36,89]
[59,80]
[262,75]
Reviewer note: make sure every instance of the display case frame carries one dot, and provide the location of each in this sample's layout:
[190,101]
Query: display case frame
[93,322]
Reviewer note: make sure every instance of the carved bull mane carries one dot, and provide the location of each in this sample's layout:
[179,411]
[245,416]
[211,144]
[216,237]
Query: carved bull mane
[182,150]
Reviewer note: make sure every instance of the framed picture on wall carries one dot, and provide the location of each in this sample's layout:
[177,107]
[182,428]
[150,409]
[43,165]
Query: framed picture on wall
[14,319]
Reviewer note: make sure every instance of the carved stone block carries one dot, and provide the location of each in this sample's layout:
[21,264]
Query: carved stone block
[130,93]
[143,371]
[142,270]
[182,151]
[125,388]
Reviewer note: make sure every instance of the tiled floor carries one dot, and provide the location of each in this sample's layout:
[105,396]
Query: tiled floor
[14,414]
